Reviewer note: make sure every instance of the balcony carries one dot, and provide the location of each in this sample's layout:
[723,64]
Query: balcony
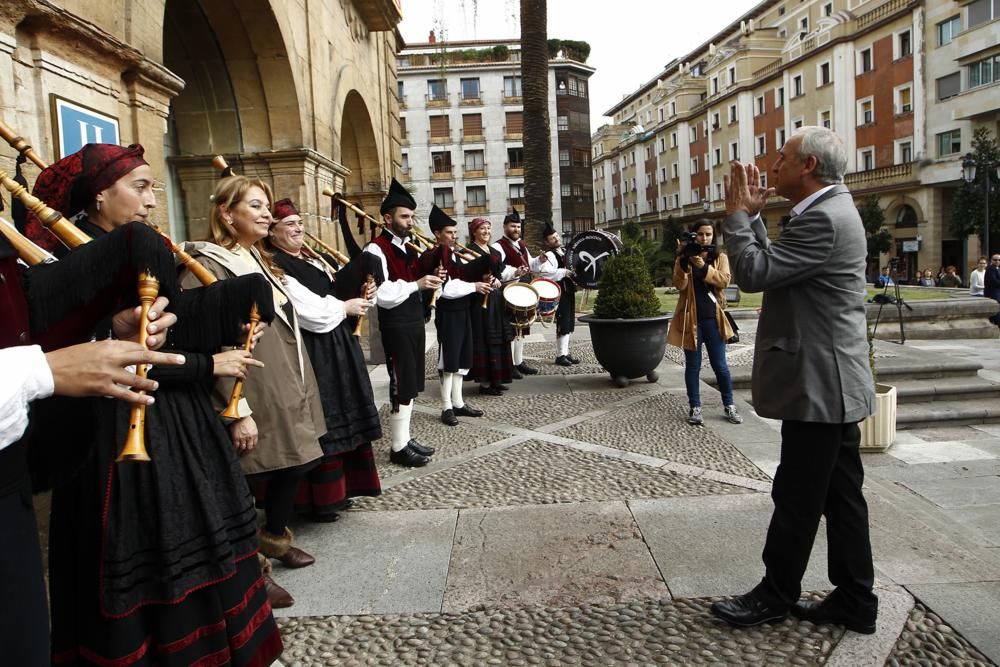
[515,201]
[472,138]
[379,15]
[477,209]
[509,98]
[443,139]
[881,12]
[975,102]
[517,135]
[478,172]
[516,170]
[882,177]
[476,101]
[442,173]
[437,101]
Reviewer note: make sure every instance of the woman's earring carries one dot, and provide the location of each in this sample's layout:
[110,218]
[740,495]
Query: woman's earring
[98,202]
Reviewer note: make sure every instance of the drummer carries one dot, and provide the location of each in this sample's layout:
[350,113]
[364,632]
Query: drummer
[514,252]
[556,269]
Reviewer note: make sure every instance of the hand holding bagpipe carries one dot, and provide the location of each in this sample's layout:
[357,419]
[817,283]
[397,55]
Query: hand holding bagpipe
[362,303]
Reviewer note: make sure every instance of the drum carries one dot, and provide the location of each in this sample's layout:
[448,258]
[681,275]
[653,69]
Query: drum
[548,299]
[521,302]
[586,255]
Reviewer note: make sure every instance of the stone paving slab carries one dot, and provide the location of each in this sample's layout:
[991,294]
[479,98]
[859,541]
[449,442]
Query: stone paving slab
[931,472]
[584,553]
[983,522]
[972,491]
[537,473]
[657,427]
[929,640]
[679,632]
[371,563]
[711,546]
[895,605]
[937,452]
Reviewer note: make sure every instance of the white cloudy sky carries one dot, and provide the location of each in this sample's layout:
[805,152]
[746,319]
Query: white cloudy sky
[628,48]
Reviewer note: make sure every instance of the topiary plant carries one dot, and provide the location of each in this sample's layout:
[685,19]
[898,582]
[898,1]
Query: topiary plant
[625,290]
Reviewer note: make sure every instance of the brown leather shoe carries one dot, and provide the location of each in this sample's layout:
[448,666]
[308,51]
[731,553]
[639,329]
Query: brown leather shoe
[276,595]
[296,558]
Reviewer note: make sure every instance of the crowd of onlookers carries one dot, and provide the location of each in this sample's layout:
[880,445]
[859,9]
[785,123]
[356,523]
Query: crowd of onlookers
[946,276]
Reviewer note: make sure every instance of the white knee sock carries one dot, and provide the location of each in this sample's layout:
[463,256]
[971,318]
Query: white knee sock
[456,391]
[562,343]
[517,351]
[399,426]
[447,384]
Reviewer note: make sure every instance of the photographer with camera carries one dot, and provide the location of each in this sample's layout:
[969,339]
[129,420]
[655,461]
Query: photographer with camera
[701,274]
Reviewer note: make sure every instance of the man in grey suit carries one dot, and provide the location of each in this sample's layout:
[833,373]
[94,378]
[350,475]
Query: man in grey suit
[811,371]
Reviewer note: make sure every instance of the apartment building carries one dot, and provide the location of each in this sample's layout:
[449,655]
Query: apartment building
[903,82]
[461,122]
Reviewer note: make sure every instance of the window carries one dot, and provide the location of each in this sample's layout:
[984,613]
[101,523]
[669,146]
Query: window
[515,158]
[866,111]
[674,170]
[904,151]
[581,157]
[515,122]
[759,105]
[472,125]
[562,123]
[564,157]
[797,85]
[694,133]
[865,60]
[516,192]
[948,30]
[732,113]
[440,128]
[512,86]
[402,129]
[823,74]
[866,159]
[405,166]
[949,143]
[661,114]
[695,197]
[565,190]
[673,109]
[982,11]
[824,119]
[436,89]
[904,44]
[798,122]
[662,144]
[760,141]
[715,85]
[442,162]
[734,150]
[399,90]
[763,179]
[573,88]
[718,190]
[779,96]
[828,9]
[444,197]
[475,195]
[904,99]
[715,121]
[949,86]
[470,89]
[779,137]
[694,165]
[804,23]
[475,161]
[781,11]
[673,140]
[717,156]
[984,72]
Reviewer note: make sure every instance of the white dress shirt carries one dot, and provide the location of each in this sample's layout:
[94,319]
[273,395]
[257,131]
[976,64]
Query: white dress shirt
[26,376]
[391,293]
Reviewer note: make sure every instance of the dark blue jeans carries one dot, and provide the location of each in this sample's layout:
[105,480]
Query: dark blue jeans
[708,334]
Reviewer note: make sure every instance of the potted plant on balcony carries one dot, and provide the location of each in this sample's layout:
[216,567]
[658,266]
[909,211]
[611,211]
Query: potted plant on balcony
[878,430]
[627,330]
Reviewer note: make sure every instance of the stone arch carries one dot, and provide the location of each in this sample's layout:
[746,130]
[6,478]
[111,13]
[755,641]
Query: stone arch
[358,148]
[904,210]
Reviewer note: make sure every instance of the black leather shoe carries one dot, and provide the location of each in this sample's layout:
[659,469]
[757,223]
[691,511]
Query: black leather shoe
[572,359]
[747,611]
[468,411]
[829,612]
[502,387]
[516,374]
[489,391]
[526,369]
[420,448]
[563,360]
[408,457]
[448,417]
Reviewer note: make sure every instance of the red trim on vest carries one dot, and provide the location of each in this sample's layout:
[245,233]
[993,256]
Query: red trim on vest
[402,264]
[516,256]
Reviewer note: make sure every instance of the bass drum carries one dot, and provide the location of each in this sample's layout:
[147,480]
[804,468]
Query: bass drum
[586,255]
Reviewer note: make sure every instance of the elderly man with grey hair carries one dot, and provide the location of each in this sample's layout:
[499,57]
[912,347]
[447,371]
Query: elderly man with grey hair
[811,371]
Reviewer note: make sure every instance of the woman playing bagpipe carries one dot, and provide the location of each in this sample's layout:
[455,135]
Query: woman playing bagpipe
[280,437]
[327,323]
[150,563]
[492,363]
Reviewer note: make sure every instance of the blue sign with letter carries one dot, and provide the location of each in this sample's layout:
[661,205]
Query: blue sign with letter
[77,126]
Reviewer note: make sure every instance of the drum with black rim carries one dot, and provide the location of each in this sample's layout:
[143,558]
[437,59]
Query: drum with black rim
[587,253]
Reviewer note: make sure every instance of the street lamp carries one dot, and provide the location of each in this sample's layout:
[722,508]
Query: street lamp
[969,174]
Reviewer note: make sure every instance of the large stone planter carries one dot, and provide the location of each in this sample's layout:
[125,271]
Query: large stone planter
[878,431]
[629,349]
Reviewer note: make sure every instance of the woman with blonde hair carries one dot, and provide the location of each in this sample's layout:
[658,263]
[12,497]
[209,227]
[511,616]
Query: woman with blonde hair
[700,276]
[280,417]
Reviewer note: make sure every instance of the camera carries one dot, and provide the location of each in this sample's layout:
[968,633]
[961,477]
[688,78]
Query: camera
[894,263]
[692,247]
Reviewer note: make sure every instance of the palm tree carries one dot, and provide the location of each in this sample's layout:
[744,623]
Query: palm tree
[537,140]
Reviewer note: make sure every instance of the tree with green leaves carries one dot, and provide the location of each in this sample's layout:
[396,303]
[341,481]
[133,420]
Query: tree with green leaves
[968,212]
[879,238]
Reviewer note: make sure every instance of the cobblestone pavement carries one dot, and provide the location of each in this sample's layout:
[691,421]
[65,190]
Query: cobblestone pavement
[556,445]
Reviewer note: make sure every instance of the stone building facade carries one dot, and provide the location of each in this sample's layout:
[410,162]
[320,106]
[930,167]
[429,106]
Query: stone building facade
[301,94]
[461,128]
[894,78]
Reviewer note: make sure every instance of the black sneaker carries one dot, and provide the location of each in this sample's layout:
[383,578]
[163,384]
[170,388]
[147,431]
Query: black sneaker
[423,450]
[563,360]
[408,457]
[572,358]
[448,417]
[526,369]
[468,411]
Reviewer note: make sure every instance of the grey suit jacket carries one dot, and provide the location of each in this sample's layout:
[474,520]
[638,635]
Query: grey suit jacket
[811,356]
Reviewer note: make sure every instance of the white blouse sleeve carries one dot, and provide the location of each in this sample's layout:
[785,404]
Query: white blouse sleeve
[318,314]
[26,376]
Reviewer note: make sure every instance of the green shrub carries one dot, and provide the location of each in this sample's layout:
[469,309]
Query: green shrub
[625,290]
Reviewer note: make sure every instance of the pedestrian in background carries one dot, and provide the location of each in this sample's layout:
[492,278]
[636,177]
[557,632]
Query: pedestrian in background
[977,278]
[927,280]
[950,278]
[991,285]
